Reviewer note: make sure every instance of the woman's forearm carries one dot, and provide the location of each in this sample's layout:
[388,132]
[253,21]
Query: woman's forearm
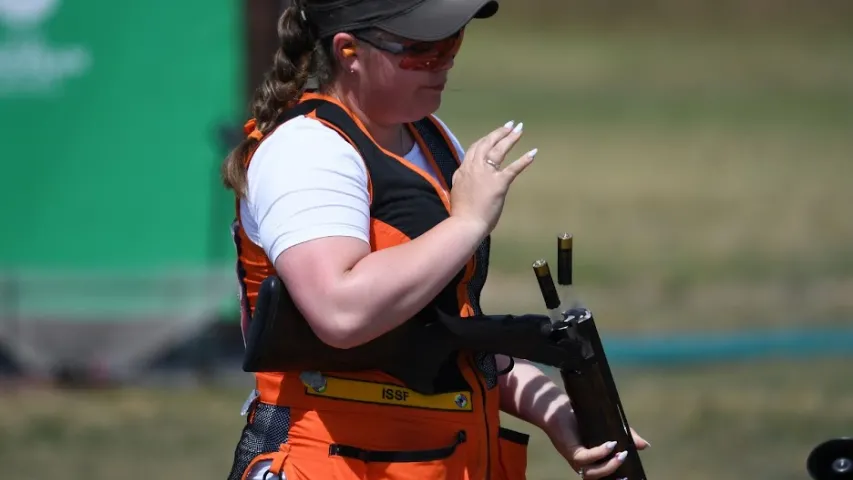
[389,286]
[530,395]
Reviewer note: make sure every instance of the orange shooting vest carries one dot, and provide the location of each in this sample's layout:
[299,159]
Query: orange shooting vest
[368,425]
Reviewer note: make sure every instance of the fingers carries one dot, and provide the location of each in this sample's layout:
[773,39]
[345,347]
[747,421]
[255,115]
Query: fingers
[482,146]
[588,458]
[585,456]
[640,442]
[498,151]
[490,140]
[515,168]
[605,469]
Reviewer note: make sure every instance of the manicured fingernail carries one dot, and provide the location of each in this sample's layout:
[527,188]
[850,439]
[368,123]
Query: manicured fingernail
[509,124]
[518,128]
[648,444]
[621,456]
[532,154]
[609,445]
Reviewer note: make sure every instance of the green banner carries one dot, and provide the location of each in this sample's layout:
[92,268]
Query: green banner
[109,113]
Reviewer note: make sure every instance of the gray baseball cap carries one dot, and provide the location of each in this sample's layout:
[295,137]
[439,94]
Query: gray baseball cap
[423,20]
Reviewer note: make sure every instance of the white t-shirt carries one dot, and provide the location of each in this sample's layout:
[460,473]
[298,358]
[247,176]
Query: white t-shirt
[305,181]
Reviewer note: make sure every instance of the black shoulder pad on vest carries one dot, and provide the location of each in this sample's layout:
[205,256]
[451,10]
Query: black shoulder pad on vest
[446,161]
[444,157]
[302,108]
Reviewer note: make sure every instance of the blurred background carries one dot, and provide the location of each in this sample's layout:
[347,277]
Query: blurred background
[701,152]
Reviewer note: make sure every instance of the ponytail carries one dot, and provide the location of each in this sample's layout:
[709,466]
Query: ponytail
[299,55]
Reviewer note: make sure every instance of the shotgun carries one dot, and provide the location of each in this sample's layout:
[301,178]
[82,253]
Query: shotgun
[586,374]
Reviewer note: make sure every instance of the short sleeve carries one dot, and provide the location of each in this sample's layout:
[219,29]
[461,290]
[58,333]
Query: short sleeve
[306,182]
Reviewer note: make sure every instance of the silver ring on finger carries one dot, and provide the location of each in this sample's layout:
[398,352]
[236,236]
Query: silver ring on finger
[581,472]
[492,163]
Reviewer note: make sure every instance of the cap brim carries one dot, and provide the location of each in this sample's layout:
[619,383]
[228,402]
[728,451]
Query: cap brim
[438,19]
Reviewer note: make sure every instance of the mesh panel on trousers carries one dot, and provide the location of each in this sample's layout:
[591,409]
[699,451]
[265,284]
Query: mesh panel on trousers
[267,431]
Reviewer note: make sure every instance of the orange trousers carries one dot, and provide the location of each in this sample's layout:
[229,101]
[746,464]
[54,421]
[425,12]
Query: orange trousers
[341,445]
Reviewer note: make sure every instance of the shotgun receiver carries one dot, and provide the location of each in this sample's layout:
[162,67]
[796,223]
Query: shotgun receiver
[587,378]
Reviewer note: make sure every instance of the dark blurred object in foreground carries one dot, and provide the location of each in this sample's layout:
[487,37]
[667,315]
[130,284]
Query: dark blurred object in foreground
[832,460]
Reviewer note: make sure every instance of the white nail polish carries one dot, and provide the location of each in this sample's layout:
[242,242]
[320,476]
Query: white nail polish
[518,128]
[532,154]
[509,124]
[621,456]
[609,445]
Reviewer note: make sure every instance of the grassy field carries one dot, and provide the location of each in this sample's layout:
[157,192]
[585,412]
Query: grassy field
[708,180]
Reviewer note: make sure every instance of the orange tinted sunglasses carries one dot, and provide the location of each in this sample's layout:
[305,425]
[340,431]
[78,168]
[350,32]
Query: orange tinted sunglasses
[417,55]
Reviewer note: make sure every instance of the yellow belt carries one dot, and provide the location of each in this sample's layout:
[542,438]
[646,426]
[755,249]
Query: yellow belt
[386,394]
